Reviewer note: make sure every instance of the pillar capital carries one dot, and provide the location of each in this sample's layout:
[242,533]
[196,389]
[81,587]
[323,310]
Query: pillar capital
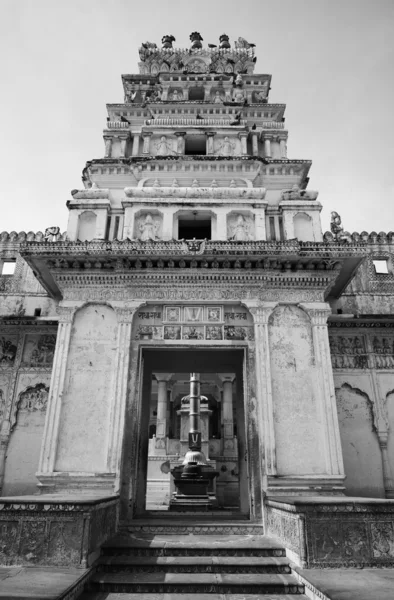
[163,377]
[66,313]
[318,312]
[226,377]
[210,133]
[261,311]
[243,134]
[179,133]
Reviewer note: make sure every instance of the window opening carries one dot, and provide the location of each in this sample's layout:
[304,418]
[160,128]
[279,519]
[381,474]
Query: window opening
[281,230]
[189,228]
[195,145]
[107,228]
[381,266]
[196,93]
[37,312]
[116,228]
[272,228]
[8,267]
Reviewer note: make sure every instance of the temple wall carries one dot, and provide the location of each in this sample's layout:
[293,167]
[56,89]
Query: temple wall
[85,410]
[363,364]
[296,415]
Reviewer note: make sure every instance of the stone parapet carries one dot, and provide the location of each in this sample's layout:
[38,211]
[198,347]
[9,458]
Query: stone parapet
[55,530]
[332,532]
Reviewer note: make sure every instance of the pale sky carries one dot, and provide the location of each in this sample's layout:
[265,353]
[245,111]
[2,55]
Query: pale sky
[332,64]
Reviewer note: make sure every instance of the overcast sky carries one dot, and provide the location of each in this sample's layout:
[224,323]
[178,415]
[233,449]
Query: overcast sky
[332,63]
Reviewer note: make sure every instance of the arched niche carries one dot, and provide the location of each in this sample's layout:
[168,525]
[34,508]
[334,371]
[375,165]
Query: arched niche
[240,226]
[24,446]
[360,446]
[303,227]
[85,410]
[196,93]
[148,225]
[86,226]
[295,393]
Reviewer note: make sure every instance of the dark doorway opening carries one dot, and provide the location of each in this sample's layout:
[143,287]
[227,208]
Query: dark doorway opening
[212,364]
[195,145]
[197,93]
[193,228]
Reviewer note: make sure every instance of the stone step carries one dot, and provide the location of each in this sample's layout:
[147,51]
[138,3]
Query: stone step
[197,596]
[191,545]
[194,564]
[201,583]
[196,526]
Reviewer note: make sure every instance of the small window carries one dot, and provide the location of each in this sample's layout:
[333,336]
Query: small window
[8,267]
[192,228]
[37,312]
[380,266]
[196,93]
[195,145]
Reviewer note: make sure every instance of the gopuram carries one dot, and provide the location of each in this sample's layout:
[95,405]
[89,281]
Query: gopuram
[195,246]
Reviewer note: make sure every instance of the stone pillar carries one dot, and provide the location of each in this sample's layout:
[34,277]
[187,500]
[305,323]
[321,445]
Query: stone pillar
[243,135]
[51,429]
[119,392]
[255,143]
[146,148]
[180,142]
[221,224]
[5,431]
[227,415]
[123,144]
[331,441]
[261,313]
[387,473]
[210,148]
[136,144]
[108,146]
[267,147]
[161,422]
[283,148]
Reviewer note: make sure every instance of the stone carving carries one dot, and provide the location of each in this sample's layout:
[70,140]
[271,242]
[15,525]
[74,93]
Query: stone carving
[7,352]
[163,147]
[51,234]
[173,313]
[148,228]
[240,228]
[196,40]
[337,229]
[218,98]
[176,96]
[193,333]
[172,333]
[214,313]
[214,333]
[226,148]
[43,351]
[348,352]
[242,43]
[231,332]
[296,193]
[193,314]
[196,66]
[384,352]
[34,399]
[167,41]
[382,534]
[149,332]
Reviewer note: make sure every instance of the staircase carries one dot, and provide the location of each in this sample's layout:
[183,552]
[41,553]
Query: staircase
[182,560]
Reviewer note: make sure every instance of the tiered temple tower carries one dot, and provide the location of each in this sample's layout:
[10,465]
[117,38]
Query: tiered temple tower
[196,247]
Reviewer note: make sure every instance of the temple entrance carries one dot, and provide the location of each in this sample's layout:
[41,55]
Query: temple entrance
[165,419]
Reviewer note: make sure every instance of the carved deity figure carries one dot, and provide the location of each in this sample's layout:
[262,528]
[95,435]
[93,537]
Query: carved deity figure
[7,351]
[148,229]
[238,94]
[226,148]
[296,193]
[260,96]
[240,230]
[218,98]
[175,96]
[163,148]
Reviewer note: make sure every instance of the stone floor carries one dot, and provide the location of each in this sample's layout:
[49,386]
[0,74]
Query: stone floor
[37,583]
[349,584]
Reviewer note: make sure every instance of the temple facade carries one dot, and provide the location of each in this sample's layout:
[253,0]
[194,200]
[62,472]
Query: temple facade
[195,245]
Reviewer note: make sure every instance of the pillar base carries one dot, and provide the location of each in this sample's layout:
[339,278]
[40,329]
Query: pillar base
[304,485]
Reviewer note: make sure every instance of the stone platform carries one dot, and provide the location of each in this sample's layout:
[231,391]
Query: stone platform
[334,532]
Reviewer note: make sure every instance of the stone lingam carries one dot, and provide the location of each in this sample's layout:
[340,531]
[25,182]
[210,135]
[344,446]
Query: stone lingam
[194,476]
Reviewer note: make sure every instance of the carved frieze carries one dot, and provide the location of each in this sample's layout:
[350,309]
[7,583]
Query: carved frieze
[8,348]
[362,352]
[39,350]
[34,399]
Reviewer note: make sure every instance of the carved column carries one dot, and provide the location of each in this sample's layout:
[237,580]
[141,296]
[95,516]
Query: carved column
[255,143]
[146,148]
[283,147]
[267,147]
[51,429]
[318,313]
[243,136]
[180,142]
[125,317]
[261,313]
[161,422]
[210,148]
[227,414]
[136,144]
[108,146]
